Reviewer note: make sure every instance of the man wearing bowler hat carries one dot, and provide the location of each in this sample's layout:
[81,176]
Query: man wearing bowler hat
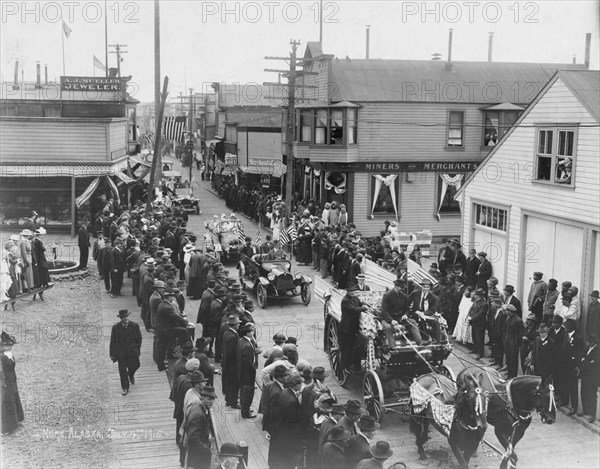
[359,446]
[380,453]
[511,299]
[125,344]
[229,456]
[331,455]
[231,383]
[544,354]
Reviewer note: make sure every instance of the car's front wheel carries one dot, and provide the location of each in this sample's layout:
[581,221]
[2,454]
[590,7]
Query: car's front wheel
[305,294]
[261,295]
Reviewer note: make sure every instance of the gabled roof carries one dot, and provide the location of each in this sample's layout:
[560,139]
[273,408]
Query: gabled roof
[313,50]
[585,85]
[582,83]
[437,81]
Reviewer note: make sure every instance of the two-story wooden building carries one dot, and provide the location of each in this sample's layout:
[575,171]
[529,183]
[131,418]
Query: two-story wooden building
[395,139]
[65,147]
[534,203]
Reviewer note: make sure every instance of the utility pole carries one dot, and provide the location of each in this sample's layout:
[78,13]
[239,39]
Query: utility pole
[157,96]
[118,50]
[291,111]
[155,168]
[191,132]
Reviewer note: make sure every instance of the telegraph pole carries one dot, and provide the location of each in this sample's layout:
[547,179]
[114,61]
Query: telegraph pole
[291,111]
[157,94]
[118,50]
[191,130]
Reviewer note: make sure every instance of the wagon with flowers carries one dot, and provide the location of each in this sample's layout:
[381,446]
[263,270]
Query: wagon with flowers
[225,234]
[386,373]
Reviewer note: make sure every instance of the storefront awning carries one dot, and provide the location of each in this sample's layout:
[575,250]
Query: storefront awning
[42,170]
[277,170]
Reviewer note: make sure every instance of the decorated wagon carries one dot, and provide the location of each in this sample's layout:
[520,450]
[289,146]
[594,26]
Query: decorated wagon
[225,235]
[386,373]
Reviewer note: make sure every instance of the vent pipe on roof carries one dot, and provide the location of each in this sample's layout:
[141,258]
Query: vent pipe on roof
[450,45]
[38,80]
[574,59]
[16,84]
[45,74]
[490,46]
[368,30]
[588,41]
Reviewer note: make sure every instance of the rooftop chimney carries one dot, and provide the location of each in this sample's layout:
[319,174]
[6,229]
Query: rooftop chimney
[490,46]
[16,83]
[450,45]
[38,81]
[574,59]
[368,30]
[588,41]
[46,74]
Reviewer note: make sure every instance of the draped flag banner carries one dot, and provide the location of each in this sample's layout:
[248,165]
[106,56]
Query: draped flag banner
[174,128]
[239,230]
[389,181]
[284,237]
[448,181]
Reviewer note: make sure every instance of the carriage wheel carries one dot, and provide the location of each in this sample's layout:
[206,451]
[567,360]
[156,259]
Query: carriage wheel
[373,395]
[333,347]
[261,296]
[305,293]
[447,372]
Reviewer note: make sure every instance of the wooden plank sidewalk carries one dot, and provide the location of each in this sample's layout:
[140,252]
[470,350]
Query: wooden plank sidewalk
[142,422]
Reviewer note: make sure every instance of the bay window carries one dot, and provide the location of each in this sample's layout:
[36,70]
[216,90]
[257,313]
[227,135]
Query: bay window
[334,125]
[321,126]
[337,127]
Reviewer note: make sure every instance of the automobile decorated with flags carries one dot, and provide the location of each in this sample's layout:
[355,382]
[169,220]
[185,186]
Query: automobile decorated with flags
[226,236]
[272,277]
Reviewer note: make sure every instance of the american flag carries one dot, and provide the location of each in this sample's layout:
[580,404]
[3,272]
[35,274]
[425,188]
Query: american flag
[293,234]
[239,229]
[284,237]
[258,237]
[174,128]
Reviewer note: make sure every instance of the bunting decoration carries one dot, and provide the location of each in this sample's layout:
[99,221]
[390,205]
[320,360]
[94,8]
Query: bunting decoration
[174,128]
[258,237]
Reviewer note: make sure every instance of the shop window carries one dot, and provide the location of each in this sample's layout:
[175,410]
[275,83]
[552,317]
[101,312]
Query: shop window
[497,123]
[321,126]
[455,128]
[445,196]
[555,155]
[491,217]
[337,127]
[384,195]
[352,133]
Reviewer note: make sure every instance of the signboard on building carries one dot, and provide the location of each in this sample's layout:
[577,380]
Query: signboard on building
[395,166]
[90,84]
[265,180]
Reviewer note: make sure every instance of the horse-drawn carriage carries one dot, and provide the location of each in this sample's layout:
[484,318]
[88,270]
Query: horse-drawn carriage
[224,235]
[388,373]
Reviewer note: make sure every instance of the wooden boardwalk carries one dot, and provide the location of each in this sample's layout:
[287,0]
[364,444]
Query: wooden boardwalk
[142,424]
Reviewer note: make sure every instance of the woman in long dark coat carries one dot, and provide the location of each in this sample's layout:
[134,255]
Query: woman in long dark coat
[39,254]
[12,410]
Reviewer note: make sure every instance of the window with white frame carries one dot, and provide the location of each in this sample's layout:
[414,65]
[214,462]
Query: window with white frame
[385,189]
[555,155]
[336,136]
[497,123]
[456,120]
[491,217]
[351,123]
[321,126]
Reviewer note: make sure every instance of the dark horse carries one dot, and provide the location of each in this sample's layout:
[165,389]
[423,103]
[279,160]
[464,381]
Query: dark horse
[430,395]
[511,404]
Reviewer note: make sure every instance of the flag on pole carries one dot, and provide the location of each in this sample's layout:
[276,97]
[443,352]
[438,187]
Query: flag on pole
[284,237]
[99,65]
[66,29]
[174,127]
[293,234]
[239,230]
[258,237]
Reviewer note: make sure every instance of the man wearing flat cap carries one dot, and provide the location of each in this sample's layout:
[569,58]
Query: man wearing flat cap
[537,294]
[125,345]
[550,299]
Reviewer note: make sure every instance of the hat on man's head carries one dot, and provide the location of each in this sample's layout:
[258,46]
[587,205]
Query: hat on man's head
[150,261]
[553,281]
[543,328]
[279,337]
[26,232]
[307,372]
[479,292]
[595,294]
[351,288]
[510,308]
[192,364]
[426,281]
[538,274]
[123,313]
[280,371]
[434,265]
[381,450]
[188,347]
[353,406]
[571,322]
[292,340]
[324,403]
[6,339]
[236,298]
[232,320]
[361,277]
[248,304]
[493,281]
[531,317]
[211,283]
[248,327]
[338,433]
[319,373]
[158,284]
[510,289]
[367,424]
[198,377]
[229,450]
[557,319]
[482,254]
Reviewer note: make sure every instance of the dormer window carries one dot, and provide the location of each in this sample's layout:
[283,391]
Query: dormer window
[497,120]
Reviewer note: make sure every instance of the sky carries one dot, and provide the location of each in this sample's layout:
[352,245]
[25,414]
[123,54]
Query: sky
[213,41]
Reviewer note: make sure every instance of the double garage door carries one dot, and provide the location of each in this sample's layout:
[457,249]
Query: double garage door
[554,248]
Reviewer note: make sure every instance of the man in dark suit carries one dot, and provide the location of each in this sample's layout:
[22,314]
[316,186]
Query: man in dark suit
[424,308]
[569,360]
[589,374]
[484,272]
[147,283]
[511,299]
[125,345]
[477,321]
[231,384]
[459,262]
[270,408]
[557,333]
[471,269]
[362,286]
[187,352]
[394,305]
[170,328]
[118,265]
[351,308]
[246,366]
[544,354]
[83,241]
[513,336]
[291,430]
[354,271]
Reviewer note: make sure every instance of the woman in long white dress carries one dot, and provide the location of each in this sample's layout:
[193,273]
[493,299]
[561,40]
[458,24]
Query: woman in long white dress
[462,331]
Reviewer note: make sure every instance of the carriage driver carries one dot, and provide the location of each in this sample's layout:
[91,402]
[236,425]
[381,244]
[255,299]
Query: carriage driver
[394,306]
[424,311]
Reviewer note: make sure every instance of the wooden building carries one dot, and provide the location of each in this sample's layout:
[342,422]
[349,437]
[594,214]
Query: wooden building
[534,203]
[395,139]
[60,141]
